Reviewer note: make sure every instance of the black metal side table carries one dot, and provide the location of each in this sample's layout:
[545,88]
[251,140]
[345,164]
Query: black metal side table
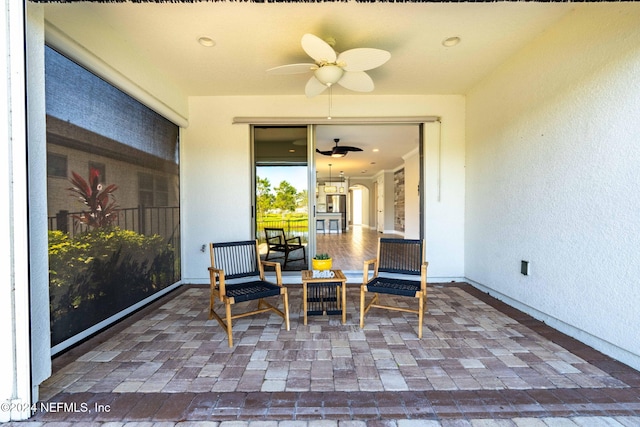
[324,295]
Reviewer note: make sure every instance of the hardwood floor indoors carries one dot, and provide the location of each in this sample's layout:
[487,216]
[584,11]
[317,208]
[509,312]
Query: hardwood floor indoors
[347,249]
[350,249]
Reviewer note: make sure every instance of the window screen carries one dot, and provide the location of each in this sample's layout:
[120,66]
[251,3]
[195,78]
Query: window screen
[107,144]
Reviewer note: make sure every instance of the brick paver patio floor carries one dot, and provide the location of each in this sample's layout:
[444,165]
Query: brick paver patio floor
[479,362]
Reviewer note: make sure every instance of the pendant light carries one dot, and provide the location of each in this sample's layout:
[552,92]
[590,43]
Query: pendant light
[330,188]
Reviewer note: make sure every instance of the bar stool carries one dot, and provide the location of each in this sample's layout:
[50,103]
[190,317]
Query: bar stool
[320,226]
[334,225]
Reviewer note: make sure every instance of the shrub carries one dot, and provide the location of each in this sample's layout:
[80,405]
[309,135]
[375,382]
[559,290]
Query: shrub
[101,272]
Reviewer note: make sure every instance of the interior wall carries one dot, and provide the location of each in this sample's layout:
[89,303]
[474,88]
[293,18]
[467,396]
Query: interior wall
[552,171]
[368,211]
[389,212]
[215,162]
[411,195]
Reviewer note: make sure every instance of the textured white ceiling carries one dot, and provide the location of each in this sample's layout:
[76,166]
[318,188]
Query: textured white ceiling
[252,37]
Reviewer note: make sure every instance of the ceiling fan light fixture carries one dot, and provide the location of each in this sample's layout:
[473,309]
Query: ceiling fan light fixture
[338,154]
[329,74]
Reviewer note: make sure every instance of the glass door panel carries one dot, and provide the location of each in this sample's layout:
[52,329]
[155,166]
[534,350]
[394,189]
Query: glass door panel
[281,197]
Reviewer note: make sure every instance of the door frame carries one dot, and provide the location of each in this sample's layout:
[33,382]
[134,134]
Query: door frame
[312,123]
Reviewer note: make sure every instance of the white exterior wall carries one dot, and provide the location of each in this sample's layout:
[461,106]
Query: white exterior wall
[38,234]
[24,327]
[411,195]
[120,173]
[444,178]
[552,177]
[216,167]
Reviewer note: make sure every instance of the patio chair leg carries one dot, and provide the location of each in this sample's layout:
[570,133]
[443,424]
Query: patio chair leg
[420,314]
[361,307]
[229,326]
[285,298]
[212,303]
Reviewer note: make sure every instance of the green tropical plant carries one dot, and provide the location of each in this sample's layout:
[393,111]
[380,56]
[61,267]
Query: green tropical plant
[97,273]
[99,199]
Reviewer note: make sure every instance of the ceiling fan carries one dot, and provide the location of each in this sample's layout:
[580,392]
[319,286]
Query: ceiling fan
[338,151]
[347,68]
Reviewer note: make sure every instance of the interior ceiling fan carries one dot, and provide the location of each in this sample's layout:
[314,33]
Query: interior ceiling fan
[338,151]
[346,68]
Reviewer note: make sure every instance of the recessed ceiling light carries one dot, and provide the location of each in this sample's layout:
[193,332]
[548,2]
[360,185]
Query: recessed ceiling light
[206,41]
[375,150]
[292,151]
[450,41]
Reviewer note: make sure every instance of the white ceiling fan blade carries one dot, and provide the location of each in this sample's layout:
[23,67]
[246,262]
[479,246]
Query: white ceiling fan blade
[363,59]
[318,49]
[292,69]
[358,81]
[314,87]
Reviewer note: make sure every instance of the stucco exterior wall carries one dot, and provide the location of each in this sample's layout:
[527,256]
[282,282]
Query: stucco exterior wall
[216,167]
[552,176]
[122,174]
[411,195]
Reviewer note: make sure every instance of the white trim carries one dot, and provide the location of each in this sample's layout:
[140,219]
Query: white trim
[110,320]
[333,120]
[64,44]
[413,152]
[353,276]
[15,386]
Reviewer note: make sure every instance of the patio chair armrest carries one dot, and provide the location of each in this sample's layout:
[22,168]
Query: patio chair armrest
[276,266]
[217,271]
[365,269]
[423,275]
[216,275]
[290,239]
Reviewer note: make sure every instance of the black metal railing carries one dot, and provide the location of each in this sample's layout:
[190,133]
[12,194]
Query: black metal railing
[292,227]
[163,221]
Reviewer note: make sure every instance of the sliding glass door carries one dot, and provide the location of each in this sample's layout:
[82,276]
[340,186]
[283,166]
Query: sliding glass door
[337,201]
[281,194]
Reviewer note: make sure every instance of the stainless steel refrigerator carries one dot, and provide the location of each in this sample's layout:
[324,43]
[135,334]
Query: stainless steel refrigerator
[338,204]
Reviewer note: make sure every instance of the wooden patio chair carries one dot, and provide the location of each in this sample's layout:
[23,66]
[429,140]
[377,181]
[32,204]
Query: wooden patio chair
[278,242]
[237,275]
[399,270]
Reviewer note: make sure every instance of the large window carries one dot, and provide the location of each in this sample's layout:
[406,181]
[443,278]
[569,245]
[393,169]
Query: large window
[56,166]
[114,238]
[153,190]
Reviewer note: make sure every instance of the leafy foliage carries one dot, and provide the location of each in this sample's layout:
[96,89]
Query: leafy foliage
[99,199]
[286,195]
[264,198]
[101,272]
[322,256]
